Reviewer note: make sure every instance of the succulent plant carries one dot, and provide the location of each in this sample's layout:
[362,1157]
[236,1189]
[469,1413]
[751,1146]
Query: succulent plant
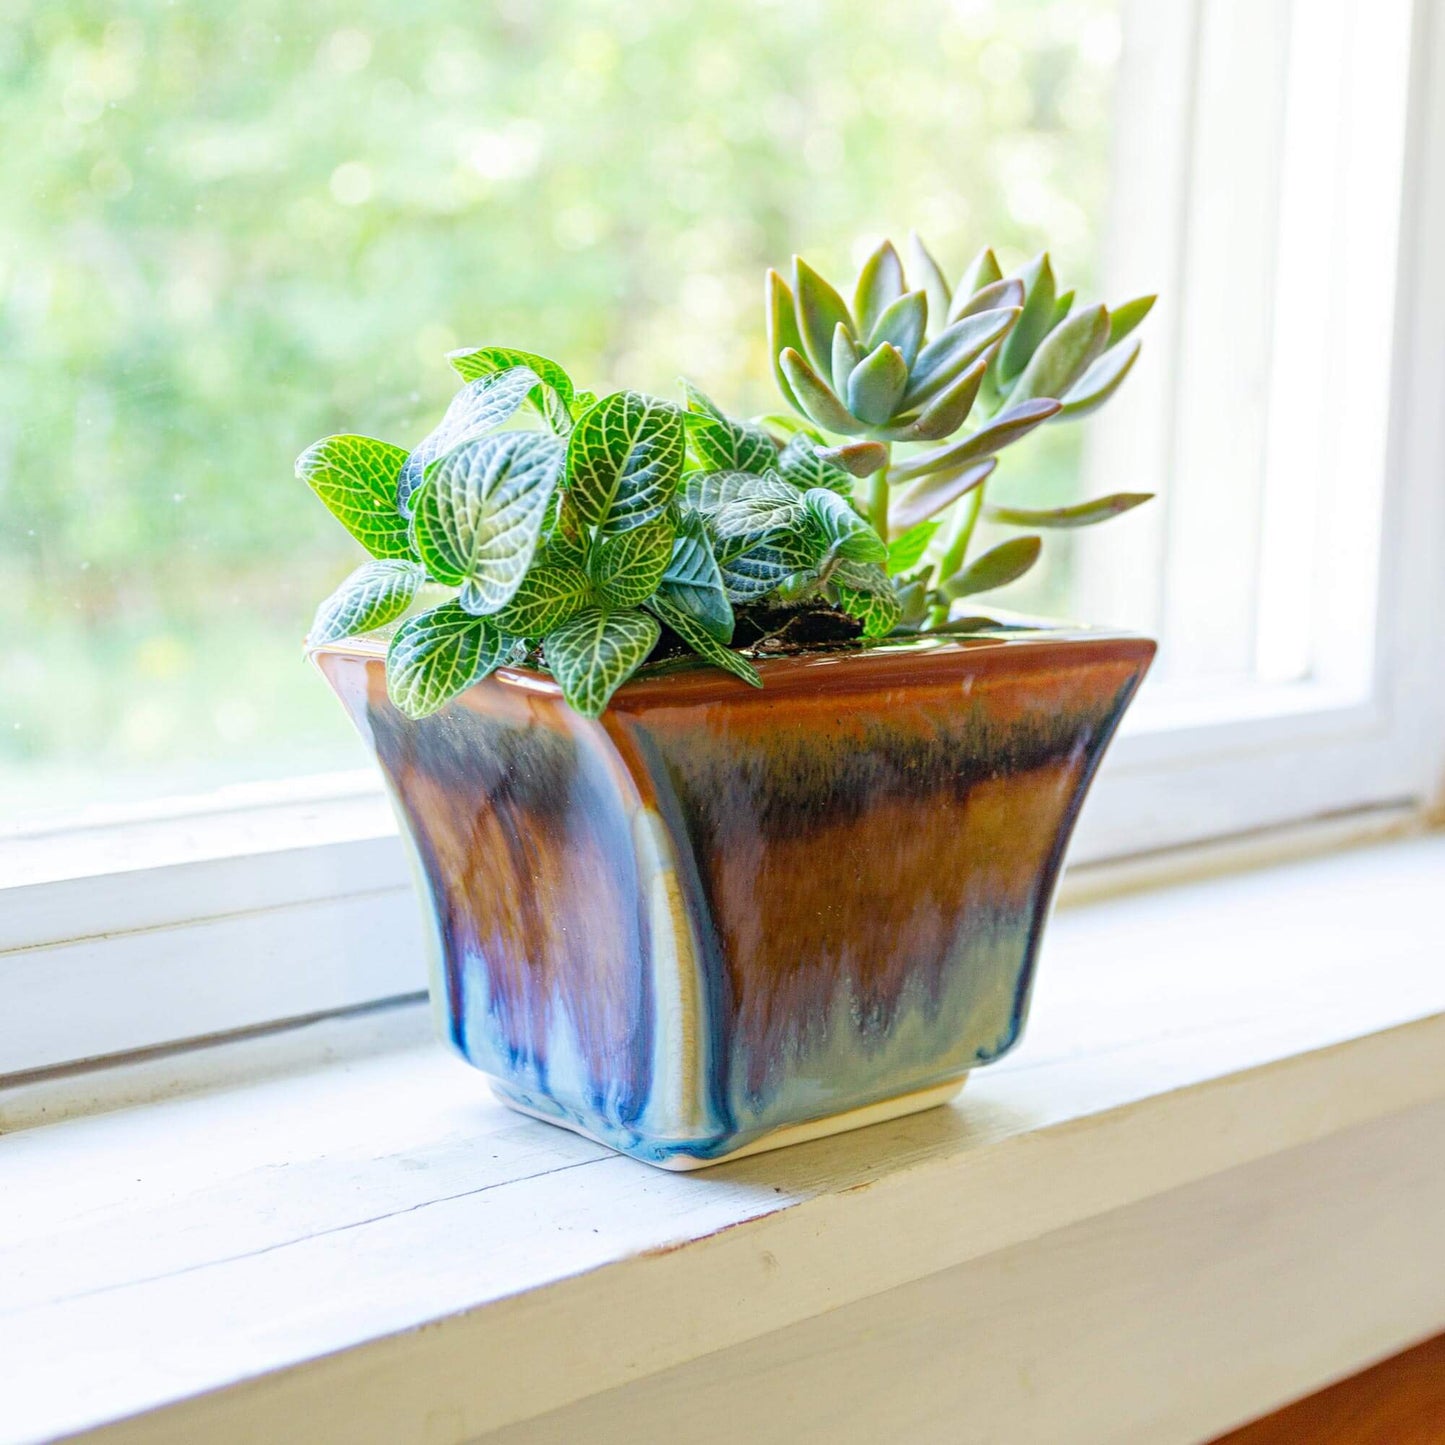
[910,366]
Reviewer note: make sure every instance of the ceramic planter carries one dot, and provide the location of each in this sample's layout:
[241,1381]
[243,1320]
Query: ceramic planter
[720,919]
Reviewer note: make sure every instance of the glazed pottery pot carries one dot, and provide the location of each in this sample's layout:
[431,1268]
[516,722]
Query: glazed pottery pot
[720,919]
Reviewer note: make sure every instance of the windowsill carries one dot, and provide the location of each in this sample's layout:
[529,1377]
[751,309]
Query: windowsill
[259,1237]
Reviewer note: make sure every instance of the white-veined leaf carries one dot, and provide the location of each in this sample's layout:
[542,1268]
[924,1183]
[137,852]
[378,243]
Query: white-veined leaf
[373,595]
[554,395]
[356,477]
[801,463]
[594,653]
[550,593]
[438,654]
[693,582]
[840,530]
[628,565]
[624,461]
[479,407]
[480,511]
[702,641]
[879,611]
[719,442]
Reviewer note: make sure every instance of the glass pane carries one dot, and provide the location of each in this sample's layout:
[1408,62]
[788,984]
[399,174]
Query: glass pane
[231,229]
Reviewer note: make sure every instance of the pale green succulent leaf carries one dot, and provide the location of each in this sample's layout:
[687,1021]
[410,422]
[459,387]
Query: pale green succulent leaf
[880,284]
[1080,514]
[480,512]
[815,398]
[954,352]
[624,461]
[859,459]
[819,310]
[481,406]
[982,271]
[840,530]
[935,492]
[719,442]
[783,333]
[804,464]
[1063,357]
[1127,315]
[997,296]
[995,568]
[1040,292]
[628,566]
[1006,428]
[1100,381]
[923,268]
[846,355]
[356,477]
[903,325]
[1063,304]
[592,654]
[373,595]
[906,550]
[554,394]
[876,385]
[946,411]
[438,654]
[701,640]
[550,593]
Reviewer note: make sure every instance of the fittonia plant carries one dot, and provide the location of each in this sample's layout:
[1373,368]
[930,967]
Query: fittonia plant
[612,530]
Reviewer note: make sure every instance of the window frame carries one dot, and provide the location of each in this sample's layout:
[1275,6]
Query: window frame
[294,900]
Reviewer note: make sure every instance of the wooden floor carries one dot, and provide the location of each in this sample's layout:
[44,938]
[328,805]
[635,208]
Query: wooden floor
[1399,1402]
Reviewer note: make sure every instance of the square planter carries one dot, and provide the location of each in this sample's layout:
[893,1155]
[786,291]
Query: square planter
[720,919]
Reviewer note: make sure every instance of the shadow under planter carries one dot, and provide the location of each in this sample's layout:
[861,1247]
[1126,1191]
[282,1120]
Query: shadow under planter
[719,919]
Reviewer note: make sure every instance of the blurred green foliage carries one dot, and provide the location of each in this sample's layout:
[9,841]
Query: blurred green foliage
[226,230]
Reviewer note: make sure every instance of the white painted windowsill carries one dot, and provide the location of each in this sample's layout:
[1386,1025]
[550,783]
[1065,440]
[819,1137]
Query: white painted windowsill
[1209,1179]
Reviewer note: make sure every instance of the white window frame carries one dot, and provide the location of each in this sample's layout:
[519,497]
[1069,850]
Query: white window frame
[293,901]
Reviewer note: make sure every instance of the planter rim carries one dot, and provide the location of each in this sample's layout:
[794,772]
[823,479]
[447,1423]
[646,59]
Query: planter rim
[687,680]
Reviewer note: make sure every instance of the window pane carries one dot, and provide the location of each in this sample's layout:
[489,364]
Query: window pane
[231,229]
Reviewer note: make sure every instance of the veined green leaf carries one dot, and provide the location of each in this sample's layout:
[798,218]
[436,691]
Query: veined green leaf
[595,652]
[1063,356]
[840,530]
[550,593]
[803,463]
[1007,427]
[1100,381]
[356,478]
[846,356]
[995,568]
[479,407]
[480,512]
[1081,514]
[902,325]
[1040,292]
[819,309]
[1126,316]
[954,352]
[702,642]
[859,459]
[982,271]
[552,396]
[708,492]
[759,570]
[906,550]
[581,401]
[627,566]
[876,385]
[765,508]
[880,284]
[624,461]
[438,654]
[693,580]
[879,612]
[373,595]
[783,333]
[939,490]
[815,398]
[719,442]
[924,268]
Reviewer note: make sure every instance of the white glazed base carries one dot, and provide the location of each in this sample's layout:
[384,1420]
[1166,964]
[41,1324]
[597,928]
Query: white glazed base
[878,1113]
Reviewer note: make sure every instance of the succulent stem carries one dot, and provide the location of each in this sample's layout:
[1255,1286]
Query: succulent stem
[878,501]
[965,519]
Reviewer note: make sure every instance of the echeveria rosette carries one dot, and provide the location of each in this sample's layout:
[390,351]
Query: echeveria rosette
[898,373]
